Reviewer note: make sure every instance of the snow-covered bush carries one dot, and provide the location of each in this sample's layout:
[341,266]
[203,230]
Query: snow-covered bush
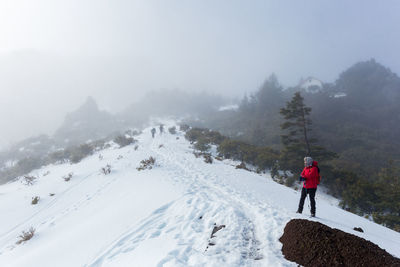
[146,164]
[35,200]
[123,140]
[25,236]
[29,179]
[106,170]
[68,176]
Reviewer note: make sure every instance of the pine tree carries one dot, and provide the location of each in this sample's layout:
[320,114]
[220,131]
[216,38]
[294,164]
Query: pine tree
[296,140]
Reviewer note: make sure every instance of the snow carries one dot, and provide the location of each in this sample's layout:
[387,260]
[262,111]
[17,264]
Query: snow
[311,85]
[339,95]
[159,217]
[229,107]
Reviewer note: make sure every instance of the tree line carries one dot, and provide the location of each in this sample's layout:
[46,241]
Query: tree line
[350,126]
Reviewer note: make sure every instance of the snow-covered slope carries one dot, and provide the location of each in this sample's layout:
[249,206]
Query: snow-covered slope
[158,217]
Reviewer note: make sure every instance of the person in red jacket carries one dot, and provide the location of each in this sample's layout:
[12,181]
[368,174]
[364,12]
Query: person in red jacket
[310,176]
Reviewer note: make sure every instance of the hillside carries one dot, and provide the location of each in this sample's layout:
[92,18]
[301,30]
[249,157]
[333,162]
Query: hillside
[162,216]
[357,116]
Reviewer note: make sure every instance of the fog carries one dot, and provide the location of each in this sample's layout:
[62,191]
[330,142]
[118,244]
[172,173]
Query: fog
[53,54]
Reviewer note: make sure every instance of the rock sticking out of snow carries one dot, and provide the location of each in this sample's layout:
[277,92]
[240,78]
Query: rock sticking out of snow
[310,243]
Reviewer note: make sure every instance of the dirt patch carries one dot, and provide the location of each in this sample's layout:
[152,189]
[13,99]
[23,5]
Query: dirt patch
[314,244]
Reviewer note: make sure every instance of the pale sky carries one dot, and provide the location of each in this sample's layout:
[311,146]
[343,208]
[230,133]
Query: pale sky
[53,54]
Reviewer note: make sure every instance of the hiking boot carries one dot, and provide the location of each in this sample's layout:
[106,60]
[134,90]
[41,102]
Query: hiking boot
[298,212]
[312,214]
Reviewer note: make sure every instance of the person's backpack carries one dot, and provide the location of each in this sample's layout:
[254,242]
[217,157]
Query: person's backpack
[315,164]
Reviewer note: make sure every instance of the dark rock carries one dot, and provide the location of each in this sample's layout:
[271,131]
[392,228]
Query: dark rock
[359,229]
[311,243]
[216,229]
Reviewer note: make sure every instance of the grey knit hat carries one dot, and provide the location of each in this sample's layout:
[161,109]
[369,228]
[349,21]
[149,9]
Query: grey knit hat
[308,161]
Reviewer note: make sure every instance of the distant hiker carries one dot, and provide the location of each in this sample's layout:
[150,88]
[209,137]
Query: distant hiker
[161,128]
[310,176]
[153,132]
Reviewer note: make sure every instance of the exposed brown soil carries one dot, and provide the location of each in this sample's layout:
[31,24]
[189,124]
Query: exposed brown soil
[311,243]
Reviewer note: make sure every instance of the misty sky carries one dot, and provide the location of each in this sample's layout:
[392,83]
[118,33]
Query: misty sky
[53,54]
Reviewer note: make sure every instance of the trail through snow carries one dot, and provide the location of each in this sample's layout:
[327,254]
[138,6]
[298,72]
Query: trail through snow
[159,217]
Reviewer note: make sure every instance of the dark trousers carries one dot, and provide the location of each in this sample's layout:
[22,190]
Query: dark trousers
[311,193]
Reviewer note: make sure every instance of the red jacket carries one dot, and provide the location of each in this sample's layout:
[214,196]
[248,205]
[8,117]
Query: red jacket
[311,174]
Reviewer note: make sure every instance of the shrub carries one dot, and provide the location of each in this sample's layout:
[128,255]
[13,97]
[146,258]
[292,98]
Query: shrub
[160,146]
[262,157]
[35,200]
[59,156]
[202,145]
[80,152]
[26,165]
[266,158]
[120,157]
[242,166]
[184,127]
[123,140]
[136,147]
[106,170]
[194,134]
[172,130]
[215,137]
[29,179]
[101,157]
[68,176]
[233,149]
[146,164]
[209,136]
[98,144]
[207,158]
[275,170]
[25,236]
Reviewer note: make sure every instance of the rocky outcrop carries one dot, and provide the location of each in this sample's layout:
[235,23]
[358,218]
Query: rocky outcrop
[310,243]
